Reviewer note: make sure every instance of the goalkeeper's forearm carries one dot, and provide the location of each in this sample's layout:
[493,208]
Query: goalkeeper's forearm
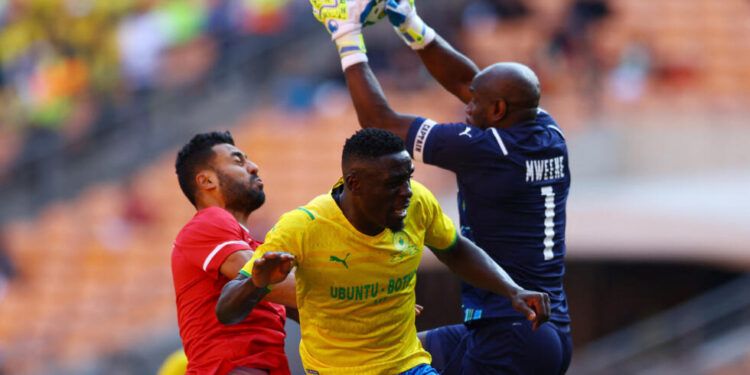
[370,103]
[452,69]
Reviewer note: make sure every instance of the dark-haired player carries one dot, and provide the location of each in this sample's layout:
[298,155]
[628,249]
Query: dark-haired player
[511,165]
[223,185]
[356,250]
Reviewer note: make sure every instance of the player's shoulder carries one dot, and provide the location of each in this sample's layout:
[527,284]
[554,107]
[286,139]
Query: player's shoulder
[309,214]
[419,190]
[459,130]
[421,195]
[543,118]
[293,225]
[429,141]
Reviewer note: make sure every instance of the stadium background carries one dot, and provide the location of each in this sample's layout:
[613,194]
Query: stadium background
[96,96]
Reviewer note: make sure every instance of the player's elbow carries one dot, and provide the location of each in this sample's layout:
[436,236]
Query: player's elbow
[377,125]
[379,116]
[394,123]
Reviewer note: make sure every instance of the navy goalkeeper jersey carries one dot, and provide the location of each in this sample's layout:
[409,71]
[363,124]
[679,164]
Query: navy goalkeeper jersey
[512,188]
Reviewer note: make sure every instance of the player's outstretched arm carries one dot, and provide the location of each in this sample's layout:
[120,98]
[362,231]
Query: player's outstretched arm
[370,103]
[239,296]
[452,69]
[283,293]
[344,20]
[475,267]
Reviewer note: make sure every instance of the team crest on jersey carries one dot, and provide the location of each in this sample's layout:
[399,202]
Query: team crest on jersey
[403,246]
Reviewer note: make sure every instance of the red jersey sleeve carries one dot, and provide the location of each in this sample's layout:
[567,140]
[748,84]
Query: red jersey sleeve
[210,237]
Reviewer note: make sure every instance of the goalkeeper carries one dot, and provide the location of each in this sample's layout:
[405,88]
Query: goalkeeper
[511,165]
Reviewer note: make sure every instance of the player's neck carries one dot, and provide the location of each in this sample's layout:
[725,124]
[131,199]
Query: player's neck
[240,216]
[517,117]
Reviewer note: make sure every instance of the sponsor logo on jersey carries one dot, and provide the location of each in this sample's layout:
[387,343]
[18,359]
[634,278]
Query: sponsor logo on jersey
[336,259]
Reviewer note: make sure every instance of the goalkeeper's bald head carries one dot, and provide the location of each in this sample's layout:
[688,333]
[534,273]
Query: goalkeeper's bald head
[509,85]
[514,82]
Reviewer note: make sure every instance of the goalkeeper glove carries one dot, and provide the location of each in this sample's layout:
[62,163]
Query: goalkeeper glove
[344,20]
[403,16]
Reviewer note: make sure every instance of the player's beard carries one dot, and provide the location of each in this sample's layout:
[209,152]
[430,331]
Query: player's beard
[241,196]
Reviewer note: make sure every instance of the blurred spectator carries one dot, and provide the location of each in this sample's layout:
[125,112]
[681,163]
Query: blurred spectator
[137,211]
[583,14]
[502,10]
[222,24]
[142,36]
[265,16]
[573,40]
[629,78]
[71,70]
[295,93]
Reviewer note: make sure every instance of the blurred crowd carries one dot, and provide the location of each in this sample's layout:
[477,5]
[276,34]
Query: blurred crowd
[70,68]
[74,70]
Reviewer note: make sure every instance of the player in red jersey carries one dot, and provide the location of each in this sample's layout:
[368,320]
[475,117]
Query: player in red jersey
[223,185]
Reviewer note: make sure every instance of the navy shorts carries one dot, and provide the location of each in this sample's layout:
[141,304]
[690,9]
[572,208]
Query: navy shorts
[495,347]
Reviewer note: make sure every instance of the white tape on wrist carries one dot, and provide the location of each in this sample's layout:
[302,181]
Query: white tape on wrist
[352,59]
[415,33]
[351,48]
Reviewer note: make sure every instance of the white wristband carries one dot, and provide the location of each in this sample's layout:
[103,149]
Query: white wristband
[415,33]
[352,59]
[351,48]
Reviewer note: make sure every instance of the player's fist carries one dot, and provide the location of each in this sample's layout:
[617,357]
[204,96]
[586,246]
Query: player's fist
[272,268]
[341,17]
[534,305]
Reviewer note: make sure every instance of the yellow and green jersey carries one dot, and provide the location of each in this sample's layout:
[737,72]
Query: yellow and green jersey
[355,292]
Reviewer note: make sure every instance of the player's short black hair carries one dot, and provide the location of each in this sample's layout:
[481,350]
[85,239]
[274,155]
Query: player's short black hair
[371,143]
[195,155]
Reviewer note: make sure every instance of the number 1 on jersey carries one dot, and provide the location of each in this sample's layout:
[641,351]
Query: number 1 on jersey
[549,221]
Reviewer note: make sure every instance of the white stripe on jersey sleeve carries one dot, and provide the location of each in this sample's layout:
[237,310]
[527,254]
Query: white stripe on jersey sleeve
[499,141]
[421,139]
[555,128]
[218,248]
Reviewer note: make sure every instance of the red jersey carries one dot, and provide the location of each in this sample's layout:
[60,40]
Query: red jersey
[211,347]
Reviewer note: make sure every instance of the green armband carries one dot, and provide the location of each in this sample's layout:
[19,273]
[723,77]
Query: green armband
[447,249]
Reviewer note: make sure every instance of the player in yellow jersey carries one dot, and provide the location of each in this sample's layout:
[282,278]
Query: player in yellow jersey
[174,364]
[356,250]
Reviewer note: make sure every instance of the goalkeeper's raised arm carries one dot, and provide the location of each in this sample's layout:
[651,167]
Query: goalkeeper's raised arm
[345,19]
[453,70]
